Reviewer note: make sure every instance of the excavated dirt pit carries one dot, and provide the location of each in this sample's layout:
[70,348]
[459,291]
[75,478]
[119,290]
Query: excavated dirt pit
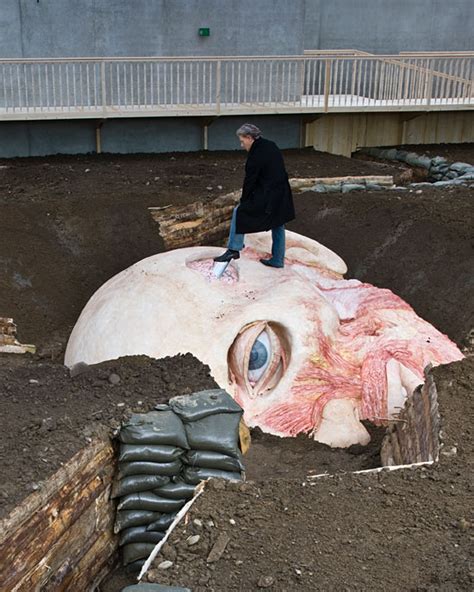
[70,223]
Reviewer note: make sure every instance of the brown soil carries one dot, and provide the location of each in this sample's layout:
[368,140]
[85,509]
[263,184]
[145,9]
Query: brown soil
[159,178]
[405,530]
[47,416]
[452,152]
[420,245]
[271,457]
[64,232]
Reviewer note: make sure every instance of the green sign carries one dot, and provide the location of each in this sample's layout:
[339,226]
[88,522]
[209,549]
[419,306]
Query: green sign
[204,32]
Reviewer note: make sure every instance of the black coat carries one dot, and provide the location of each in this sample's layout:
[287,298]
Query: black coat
[266,201]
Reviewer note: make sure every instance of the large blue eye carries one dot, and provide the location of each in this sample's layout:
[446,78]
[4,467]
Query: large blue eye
[258,356]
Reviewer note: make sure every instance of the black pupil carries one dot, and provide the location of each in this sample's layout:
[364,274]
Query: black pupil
[258,356]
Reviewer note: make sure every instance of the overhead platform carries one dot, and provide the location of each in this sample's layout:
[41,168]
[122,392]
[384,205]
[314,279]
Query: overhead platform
[338,81]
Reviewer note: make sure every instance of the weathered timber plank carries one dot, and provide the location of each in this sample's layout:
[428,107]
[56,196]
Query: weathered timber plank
[39,526]
[207,222]
[50,487]
[94,566]
[416,437]
[299,183]
[62,563]
[8,341]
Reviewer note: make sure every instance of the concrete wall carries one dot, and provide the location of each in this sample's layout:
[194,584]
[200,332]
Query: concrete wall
[64,28]
[80,28]
[139,135]
[390,26]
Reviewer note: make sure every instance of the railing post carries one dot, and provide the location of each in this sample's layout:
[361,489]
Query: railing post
[103,87]
[327,85]
[429,84]
[218,87]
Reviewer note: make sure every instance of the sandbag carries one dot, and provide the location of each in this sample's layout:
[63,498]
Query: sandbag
[154,427]
[208,459]
[439,161]
[134,551]
[139,534]
[135,566]
[176,490]
[149,468]
[127,519]
[195,475]
[319,188]
[149,501]
[347,187]
[219,433]
[460,167]
[137,483]
[162,523]
[153,588]
[149,452]
[194,407]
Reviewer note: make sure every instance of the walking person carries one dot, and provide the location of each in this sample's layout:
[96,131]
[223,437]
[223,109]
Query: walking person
[266,202]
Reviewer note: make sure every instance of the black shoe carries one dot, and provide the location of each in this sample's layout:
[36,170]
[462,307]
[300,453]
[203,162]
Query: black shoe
[227,256]
[269,263]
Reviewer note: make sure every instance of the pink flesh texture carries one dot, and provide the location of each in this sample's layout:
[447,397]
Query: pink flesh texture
[376,326]
[206,268]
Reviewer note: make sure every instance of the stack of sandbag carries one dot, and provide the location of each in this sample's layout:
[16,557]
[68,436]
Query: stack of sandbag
[211,421]
[163,455]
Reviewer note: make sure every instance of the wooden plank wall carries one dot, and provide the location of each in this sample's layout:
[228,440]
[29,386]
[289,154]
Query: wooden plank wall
[344,133]
[61,537]
[415,437]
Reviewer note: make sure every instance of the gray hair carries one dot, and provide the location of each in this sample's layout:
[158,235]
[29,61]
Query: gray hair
[248,129]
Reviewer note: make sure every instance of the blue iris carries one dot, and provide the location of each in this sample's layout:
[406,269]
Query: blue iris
[258,356]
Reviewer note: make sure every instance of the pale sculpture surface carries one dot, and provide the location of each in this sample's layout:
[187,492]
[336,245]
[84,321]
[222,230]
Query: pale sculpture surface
[300,348]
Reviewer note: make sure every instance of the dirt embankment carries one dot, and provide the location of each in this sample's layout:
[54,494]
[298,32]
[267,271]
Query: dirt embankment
[405,530]
[417,244]
[66,231]
[47,416]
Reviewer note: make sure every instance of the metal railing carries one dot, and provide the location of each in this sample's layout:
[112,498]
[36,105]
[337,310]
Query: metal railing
[346,80]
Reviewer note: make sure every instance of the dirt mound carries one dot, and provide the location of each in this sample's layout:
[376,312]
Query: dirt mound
[65,232]
[405,530]
[47,416]
[271,457]
[452,152]
[419,245]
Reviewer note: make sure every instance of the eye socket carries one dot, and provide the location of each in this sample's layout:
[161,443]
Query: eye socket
[258,357]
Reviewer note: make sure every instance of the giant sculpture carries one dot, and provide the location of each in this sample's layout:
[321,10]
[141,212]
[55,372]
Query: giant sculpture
[301,349]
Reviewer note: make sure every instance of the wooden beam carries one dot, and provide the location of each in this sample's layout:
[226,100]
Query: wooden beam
[45,541]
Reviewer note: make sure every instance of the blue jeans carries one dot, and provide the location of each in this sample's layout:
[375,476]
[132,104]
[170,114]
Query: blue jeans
[236,241]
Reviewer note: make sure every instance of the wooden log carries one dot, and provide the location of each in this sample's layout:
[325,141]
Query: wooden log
[94,566]
[56,519]
[416,437]
[300,183]
[206,222]
[422,428]
[8,341]
[60,564]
